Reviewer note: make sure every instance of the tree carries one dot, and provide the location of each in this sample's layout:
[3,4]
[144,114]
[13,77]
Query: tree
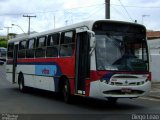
[3,42]
[11,35]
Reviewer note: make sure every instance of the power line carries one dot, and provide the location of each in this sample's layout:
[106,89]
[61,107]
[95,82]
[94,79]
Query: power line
[152,7]
[42,12]
[69,14]
[118,11]
[125,10]
[94,12]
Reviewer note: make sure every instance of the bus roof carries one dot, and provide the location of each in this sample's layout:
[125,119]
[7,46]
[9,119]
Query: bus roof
[69,27]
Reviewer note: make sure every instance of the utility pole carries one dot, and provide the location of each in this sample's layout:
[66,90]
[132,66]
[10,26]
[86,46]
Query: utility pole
[7,32]
[29,16]
[107,9]
[54,22]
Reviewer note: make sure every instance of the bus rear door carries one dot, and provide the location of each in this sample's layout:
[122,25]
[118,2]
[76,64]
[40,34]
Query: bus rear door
[14,74]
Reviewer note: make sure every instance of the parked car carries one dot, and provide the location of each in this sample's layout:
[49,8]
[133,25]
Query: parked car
[1,62]
[3,53]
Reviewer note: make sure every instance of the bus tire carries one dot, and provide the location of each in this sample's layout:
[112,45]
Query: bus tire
[66,92]
[112,100]
[21,83]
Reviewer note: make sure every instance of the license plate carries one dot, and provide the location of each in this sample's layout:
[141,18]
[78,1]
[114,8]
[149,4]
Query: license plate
[126,90]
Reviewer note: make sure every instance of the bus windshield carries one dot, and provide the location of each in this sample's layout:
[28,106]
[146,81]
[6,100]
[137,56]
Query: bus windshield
[123,50]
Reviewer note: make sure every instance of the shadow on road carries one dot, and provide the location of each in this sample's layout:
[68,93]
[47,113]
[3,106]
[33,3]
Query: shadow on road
[85,102]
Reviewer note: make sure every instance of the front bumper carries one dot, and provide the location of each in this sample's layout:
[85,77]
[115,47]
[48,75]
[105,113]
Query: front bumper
[100,89]
[124,91]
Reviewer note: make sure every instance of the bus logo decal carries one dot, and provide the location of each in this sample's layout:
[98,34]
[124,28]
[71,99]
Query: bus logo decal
[47,70]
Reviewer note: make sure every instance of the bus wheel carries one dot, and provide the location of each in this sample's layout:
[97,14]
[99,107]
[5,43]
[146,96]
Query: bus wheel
[21,83]
[66,92]
[112,100]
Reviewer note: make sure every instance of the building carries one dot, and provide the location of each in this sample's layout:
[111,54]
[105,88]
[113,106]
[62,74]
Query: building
[152,35]
[154,49]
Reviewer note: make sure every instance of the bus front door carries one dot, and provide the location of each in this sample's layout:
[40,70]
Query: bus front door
[82,62]
[14,74]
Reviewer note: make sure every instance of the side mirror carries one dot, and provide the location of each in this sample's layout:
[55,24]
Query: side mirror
[92,42]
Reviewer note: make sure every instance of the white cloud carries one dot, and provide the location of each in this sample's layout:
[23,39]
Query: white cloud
[11,12]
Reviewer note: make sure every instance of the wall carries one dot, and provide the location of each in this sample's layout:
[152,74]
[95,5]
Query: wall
[154,49]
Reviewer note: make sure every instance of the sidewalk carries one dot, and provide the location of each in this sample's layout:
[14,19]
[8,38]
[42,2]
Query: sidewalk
[155,90]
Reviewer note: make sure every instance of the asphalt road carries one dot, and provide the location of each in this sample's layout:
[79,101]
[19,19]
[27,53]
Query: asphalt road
[48,104]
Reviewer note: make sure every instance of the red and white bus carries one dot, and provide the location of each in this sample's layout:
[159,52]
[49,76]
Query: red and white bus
[101,59]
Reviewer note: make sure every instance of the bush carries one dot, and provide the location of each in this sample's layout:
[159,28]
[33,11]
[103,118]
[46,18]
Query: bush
[3,43]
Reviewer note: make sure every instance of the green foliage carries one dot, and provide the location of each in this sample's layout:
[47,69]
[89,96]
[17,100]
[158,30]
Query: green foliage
[3,42]
[12,34]
[3,39]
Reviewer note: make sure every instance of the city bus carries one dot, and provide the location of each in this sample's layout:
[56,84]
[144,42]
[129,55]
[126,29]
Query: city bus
[101,59]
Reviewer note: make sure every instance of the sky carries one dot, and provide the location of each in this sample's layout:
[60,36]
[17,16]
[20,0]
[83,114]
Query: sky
[63,12]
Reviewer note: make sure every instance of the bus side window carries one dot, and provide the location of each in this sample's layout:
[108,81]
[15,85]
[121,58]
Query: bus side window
[67,43]
[30,48]
[10,50]
[40,47]
[22,49]
[52,45]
